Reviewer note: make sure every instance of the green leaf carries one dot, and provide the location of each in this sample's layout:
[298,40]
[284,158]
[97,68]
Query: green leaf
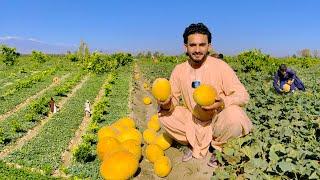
[286,166]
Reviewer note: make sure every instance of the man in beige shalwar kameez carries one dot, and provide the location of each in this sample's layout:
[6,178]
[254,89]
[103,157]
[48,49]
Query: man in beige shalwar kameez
[199,127]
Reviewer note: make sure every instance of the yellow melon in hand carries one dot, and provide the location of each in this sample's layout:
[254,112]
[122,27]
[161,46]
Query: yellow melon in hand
[130,133]
[286,87]
[153,152]
[161,89]
[121,165]
[133,146]
[107,145]
[107,131]
[147,100]
[126,121]
[163,140]
[149,135]
[154,123]
[162,166]
[205,95]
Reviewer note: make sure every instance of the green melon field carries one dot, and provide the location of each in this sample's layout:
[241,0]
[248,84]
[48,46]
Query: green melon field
[35,144]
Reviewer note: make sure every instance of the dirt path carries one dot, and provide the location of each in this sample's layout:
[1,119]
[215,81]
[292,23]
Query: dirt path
[66,156]
[27,101]
[195,169]
[33,132]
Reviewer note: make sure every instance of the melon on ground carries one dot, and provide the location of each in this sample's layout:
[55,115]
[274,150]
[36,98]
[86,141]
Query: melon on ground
[121,165]
[162,166]
[107,131]
[149,135]
[107,145]
[147,100]
[153,152]
[163,140]
[154,123]
[133,146]
[130,133]
[126,121]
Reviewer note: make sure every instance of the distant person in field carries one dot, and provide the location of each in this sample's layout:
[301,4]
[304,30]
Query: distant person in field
[87,108]
[219,56]
[284,76]
[53,106]
[213,125]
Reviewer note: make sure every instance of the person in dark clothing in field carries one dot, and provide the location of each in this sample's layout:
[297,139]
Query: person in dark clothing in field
[285,76]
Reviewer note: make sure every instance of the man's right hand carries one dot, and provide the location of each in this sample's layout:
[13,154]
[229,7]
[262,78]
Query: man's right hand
[165,104]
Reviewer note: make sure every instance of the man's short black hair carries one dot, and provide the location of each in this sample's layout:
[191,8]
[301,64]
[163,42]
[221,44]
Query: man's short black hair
[198,28]
[282,67]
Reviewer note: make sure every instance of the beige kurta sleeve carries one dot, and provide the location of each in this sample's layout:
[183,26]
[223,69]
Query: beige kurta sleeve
[234,91]
[175,86]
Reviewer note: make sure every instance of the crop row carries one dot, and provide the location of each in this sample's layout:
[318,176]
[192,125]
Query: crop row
[112,106]
[17,124]
[44,151]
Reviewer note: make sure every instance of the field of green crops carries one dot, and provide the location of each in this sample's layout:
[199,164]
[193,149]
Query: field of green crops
[284,144]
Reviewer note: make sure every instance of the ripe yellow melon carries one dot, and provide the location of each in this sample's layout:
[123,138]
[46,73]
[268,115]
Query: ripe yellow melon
[205,95]
[162,166]
[147,100]
[126,121]
[130,133]
[161,89]
[164,141]
[154,123]
[145,85]
[119,128]
[107,131]
[107,145]
[286,87]
[133,146]
[121,165]
[149,135]
[153,152]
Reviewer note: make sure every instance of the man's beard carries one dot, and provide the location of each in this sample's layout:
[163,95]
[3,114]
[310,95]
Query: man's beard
[197,62]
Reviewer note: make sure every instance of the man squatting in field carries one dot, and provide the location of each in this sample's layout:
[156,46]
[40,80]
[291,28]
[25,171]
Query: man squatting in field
[286,75]
[195,126]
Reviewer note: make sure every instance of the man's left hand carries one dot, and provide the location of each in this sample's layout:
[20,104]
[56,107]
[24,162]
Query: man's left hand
[218,105]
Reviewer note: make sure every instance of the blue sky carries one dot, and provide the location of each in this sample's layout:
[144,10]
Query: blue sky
[277,27]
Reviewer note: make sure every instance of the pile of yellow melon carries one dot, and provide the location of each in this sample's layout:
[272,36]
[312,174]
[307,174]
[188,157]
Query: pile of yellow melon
[119,148]
[156,145]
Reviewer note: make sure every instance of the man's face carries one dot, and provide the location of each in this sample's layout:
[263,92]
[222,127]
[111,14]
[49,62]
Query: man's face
[197,47]
[283,72]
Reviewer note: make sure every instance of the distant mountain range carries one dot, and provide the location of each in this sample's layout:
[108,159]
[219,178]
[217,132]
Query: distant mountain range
[26,46]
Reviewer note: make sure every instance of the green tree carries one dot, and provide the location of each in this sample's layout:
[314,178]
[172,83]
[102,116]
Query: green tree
[39,56]
[8,55]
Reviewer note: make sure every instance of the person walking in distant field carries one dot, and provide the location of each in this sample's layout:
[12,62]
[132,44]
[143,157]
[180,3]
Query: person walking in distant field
[200,127]
[287,76]
[53,106]
[87,108]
